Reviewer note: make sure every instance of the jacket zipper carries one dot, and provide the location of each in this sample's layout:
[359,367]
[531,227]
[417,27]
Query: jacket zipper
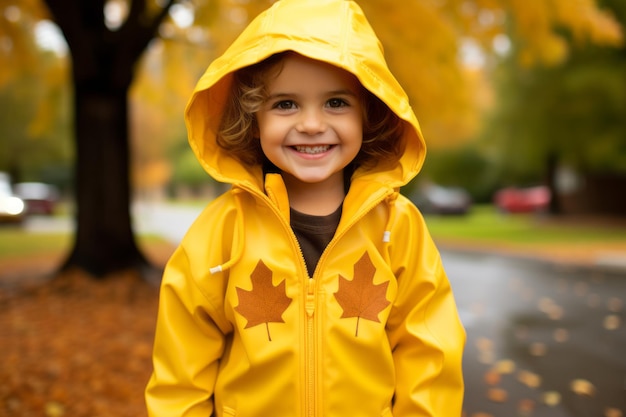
[310,348]
[310,374]
[311,371]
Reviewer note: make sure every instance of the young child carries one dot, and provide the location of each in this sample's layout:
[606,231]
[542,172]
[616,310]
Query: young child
[312,287]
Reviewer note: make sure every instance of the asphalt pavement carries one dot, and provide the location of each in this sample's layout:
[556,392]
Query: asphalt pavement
[543,340]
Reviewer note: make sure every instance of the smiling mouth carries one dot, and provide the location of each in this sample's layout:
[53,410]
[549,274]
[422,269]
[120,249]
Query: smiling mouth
[312,150]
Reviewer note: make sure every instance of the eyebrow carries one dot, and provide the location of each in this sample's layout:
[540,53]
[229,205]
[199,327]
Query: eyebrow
[344,92]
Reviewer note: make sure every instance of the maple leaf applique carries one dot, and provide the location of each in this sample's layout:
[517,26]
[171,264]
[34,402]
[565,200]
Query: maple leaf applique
[264,303]
[360,297]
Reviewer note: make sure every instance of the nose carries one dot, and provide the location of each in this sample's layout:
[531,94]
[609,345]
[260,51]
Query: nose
[311,122]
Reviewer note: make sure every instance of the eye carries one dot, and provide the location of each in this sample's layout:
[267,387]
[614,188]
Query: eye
[284,105]
[337,103]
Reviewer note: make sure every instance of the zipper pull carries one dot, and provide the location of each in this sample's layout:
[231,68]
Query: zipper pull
[310,297]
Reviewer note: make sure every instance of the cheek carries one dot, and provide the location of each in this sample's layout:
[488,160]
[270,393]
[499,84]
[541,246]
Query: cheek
[263,129]
[354,129]
[271,135]
[267,135]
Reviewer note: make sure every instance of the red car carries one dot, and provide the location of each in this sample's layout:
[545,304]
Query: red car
[523,200]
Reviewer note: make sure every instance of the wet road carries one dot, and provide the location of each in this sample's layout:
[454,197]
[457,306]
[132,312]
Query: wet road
[542,341]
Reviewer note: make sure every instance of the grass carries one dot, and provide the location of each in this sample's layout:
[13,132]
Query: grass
[17,243]
[483,225]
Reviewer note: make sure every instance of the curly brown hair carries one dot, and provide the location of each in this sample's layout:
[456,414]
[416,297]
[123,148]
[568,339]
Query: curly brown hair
[238,131]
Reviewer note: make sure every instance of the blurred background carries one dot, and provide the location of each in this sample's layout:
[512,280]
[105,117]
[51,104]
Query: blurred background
[510,94]
[522,104]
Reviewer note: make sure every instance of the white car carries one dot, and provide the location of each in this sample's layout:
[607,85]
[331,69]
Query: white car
[40,198]
[437,199]
[11,206]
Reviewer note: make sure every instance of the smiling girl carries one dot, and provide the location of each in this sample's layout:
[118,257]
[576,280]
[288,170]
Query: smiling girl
[312,287]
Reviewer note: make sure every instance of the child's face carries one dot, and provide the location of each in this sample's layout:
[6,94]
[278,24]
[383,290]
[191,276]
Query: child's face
[311,126]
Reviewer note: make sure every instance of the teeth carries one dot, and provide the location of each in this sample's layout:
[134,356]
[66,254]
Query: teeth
[312,149]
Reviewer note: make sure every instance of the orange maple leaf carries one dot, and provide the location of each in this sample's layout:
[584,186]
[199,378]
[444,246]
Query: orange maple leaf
[361,298]
[265,302]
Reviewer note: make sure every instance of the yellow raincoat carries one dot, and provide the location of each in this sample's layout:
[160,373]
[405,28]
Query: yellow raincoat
[242,330]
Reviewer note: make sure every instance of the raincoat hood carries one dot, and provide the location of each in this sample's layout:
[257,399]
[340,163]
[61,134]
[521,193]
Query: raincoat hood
[332,31]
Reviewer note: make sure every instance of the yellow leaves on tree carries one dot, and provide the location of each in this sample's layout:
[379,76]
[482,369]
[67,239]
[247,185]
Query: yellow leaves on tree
[360,297]
[535,24]
[264,303]
[421,40]
[587,22]
[18,54]
[421,47]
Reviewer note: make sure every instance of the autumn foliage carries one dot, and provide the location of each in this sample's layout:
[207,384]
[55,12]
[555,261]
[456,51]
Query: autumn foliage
[76,346]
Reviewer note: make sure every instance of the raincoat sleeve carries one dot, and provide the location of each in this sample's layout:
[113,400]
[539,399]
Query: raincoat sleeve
[189,341]
[426,334]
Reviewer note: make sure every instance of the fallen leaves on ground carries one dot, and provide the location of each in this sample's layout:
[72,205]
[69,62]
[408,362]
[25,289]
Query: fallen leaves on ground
[76,346]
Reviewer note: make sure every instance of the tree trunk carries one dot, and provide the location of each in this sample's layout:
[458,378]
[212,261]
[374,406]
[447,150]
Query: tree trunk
[104,240]
[103,63]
